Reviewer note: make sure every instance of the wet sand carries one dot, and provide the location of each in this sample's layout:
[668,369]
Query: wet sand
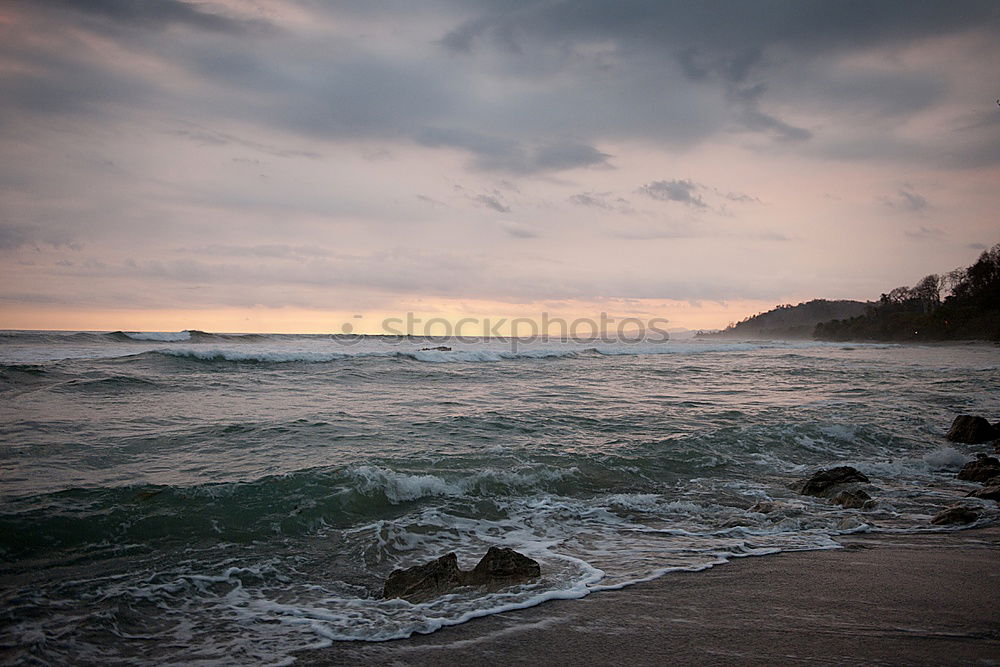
[931,599]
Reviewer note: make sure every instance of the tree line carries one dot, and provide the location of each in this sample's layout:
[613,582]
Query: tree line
[963,304]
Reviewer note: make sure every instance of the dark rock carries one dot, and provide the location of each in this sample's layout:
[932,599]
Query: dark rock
[996,443]
[439,348]
[991,492]
[502,566]
[499,568]
[983,469]
[971,429]
[955,515]
[421,582]
[822,482]
[853,499]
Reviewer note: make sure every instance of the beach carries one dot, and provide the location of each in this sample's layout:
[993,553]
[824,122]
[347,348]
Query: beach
[918,599]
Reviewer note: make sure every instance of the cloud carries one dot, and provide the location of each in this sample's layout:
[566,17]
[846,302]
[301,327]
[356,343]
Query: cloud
[518,231]
[741,198]
[925,233]
[912,201]
[206,137]
[16,236]
[683,191]
[492,153]
[430,201]
[274,251]
[907,200]
[154,14]
[603,201]
[146,129]
[733,38]
[493,202]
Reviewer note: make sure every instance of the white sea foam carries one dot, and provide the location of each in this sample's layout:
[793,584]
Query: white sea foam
[402,487]
[159,336]
[491,352]
[261,356]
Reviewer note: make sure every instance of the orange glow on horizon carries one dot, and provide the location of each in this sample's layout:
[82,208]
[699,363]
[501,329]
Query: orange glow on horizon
[679,314]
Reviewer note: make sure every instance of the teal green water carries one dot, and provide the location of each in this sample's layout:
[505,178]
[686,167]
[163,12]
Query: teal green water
[198,497]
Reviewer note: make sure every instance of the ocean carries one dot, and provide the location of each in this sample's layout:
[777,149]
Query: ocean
[197,498]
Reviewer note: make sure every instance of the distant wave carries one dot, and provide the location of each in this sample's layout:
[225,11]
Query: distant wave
[166,337]
[77,337]
[313,357]
[268,356]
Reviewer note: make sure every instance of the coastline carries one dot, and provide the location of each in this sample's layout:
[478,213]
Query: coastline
[923,599]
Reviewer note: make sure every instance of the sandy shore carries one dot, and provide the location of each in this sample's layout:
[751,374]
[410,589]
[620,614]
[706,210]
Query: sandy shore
[930,599]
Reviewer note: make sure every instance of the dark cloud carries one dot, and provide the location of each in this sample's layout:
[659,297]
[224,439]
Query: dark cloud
[207,137]
[741,48]
[717,34]
[63,81]
[153,14]
[120,120]
[603,201]
[683,191]
[667,72]
[494,153]
[16,236]
[592,200]
[912,201]
[907,200]
[493,202]
[520,231]
[756,120]
[430,200]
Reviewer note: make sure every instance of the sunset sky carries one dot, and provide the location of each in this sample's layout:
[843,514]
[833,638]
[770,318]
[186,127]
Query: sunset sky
[288,166]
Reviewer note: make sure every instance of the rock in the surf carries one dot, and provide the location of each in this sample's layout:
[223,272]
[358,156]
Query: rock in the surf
[499,568]
[421,582]
[502,566]
[971,429]
[439,348]
[982,470]
[824,482]
[856,499]
[988,492]
[957,514]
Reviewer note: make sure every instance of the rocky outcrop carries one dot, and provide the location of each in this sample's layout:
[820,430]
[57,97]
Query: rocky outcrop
[982,470]
[955,515]
[499,568]
[987,492]
[422,582]
[971,429]
[856,499]
[824,482]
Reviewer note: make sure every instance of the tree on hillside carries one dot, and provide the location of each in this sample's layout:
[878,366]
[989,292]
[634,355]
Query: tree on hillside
[970,309]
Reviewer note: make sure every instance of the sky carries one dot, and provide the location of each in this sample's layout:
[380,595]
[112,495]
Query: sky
[299,166]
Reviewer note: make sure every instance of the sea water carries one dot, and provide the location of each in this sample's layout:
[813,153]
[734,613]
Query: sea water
[202,498]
